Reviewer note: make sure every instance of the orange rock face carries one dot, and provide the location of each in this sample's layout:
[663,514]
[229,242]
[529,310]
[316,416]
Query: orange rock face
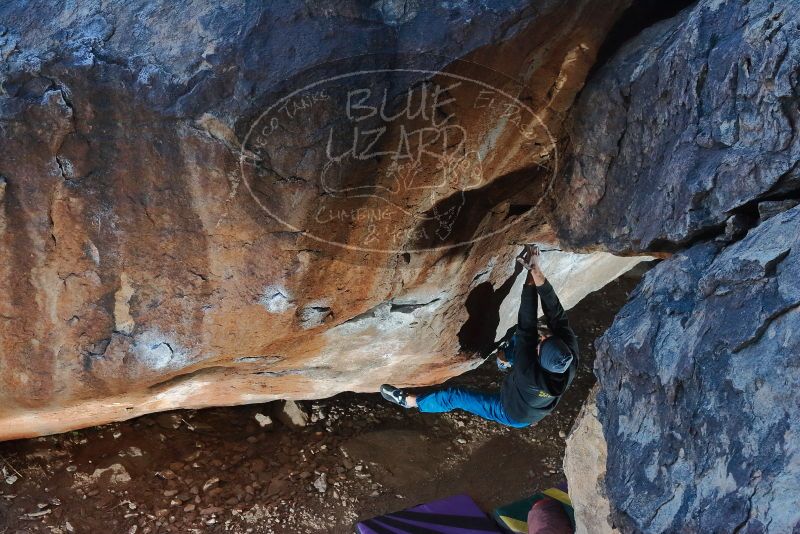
[207,208]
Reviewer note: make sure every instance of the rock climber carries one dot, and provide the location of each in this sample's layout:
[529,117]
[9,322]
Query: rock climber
[541,369]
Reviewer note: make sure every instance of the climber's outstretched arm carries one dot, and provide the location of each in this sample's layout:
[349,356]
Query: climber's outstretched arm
[554,313]
[527,334]
[556,317]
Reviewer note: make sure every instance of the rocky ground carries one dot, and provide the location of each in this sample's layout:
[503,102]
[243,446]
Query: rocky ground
[219,470]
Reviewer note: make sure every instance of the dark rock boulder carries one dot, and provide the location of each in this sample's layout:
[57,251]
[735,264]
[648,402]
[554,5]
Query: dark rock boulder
[686,142]
[693,121]
[700,389]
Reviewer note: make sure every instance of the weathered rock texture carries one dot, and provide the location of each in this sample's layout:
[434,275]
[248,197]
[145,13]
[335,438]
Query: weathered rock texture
[700,388]
[140,271]
[585,468]
[691,123]
[687,139]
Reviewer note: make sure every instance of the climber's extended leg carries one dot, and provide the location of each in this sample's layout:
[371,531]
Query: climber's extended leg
[486,405]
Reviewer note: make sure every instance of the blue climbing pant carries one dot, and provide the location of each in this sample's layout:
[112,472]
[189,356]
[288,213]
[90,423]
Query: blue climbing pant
[486,405]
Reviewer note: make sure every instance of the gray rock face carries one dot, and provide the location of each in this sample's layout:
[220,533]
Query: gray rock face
[700,389]
[182,61]
[686,141]
[771,208]
[692,121]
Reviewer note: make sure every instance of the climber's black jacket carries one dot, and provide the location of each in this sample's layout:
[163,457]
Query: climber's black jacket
[529,392]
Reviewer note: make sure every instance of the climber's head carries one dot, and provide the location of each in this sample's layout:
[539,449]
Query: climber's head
[554,355]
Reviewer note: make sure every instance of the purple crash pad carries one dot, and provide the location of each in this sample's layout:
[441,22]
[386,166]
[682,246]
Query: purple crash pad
[454,515]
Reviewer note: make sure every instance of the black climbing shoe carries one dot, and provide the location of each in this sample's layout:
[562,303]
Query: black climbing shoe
[395,395]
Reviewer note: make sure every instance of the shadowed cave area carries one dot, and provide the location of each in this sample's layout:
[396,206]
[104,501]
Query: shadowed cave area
[483,306]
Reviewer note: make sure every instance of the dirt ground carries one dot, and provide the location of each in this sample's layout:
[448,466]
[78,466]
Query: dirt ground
[217,470]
